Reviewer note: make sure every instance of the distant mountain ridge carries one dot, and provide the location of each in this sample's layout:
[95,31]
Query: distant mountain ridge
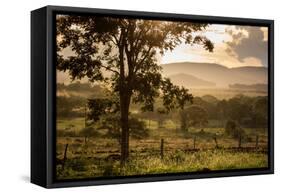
[217,74]
[187,80]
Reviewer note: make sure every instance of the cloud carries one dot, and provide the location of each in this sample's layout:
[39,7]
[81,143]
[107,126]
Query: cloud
[248,42]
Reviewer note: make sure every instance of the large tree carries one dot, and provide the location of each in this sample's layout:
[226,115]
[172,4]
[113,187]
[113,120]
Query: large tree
[123,53]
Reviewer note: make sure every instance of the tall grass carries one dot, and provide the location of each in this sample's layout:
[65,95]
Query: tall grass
[173,162]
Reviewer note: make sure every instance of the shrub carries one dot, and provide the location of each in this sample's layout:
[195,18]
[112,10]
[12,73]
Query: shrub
[233,129]
[89,132]
[138,129]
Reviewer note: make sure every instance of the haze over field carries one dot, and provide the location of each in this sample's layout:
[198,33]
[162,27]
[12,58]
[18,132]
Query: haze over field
[203,79]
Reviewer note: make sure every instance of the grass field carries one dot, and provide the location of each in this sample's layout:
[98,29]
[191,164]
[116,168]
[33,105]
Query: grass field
[182,152]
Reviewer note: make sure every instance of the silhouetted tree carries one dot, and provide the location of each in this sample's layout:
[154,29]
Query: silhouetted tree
[126,49]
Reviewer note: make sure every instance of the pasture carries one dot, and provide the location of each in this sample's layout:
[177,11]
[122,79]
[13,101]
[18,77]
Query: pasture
[196,150]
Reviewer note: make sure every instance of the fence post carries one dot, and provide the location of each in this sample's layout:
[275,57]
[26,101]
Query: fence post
[194,143]
[257,141]
[239,141]
[162,149]
[64,156]
[85,116]
[216,142]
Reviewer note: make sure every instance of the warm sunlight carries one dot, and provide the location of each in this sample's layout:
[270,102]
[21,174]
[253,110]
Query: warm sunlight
[221,35]
[201,106]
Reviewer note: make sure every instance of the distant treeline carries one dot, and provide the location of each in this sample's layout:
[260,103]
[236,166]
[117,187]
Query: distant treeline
[245,110]
[256,87]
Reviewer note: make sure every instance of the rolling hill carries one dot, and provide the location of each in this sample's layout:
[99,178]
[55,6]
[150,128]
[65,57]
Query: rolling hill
[217,74]
[190,81]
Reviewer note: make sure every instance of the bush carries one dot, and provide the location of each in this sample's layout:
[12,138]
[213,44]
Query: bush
[138,129]
[233,129]
[89,132]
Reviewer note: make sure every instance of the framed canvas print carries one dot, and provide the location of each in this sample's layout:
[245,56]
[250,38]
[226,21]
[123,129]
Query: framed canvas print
[125,96]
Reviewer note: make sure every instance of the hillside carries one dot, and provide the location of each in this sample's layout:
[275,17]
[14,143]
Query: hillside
[190,81]
[220,75]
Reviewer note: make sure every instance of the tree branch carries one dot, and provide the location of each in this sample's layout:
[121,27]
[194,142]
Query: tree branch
[143,59]
[109,69]
[116,39]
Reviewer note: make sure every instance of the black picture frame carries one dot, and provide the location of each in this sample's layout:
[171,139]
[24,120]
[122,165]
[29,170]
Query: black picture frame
[43,96]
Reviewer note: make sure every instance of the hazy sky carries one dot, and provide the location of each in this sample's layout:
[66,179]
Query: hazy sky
[234,46]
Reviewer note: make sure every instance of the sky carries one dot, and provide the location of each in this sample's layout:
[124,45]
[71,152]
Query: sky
[234,46]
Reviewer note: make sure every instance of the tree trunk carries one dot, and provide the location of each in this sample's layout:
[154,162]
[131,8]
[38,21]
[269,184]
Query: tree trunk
[125,94]
[124,106]
[124,103]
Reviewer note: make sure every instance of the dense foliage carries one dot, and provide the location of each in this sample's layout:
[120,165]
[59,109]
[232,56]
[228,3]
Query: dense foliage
[127,50]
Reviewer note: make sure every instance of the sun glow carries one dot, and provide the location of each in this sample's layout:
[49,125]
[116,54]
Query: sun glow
[219,35]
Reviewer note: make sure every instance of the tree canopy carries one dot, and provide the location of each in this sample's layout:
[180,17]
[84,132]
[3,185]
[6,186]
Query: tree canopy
[125,47]
[123,53]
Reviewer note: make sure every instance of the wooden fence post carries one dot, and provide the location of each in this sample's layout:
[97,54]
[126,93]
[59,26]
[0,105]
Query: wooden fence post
[64,156]
[85,116]
[239,141]
[216,142]
[162,149]
[194,143]
[257,141]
